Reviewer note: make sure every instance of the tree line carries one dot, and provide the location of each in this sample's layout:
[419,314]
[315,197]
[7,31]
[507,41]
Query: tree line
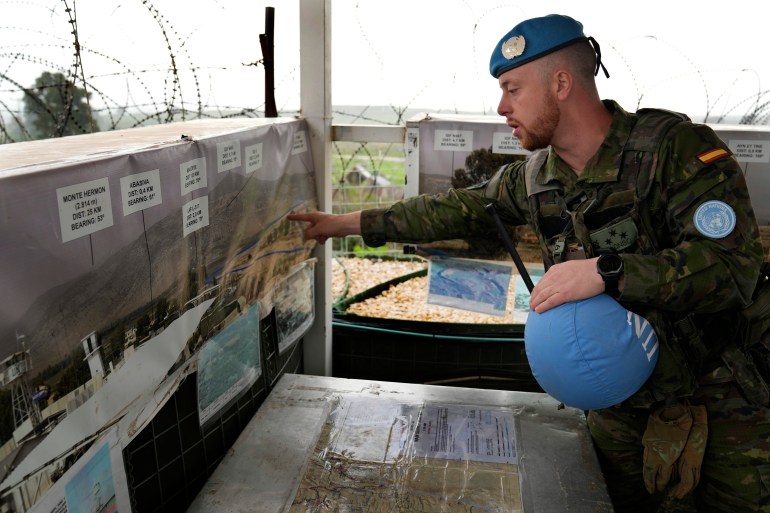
[54,107]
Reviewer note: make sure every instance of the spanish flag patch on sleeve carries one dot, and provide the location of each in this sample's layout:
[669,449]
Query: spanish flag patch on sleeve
[711,155]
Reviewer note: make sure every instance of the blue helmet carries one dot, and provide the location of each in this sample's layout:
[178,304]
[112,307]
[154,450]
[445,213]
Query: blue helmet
[592,353]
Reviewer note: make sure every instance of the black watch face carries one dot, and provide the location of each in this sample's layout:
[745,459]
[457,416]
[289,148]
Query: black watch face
[609,263]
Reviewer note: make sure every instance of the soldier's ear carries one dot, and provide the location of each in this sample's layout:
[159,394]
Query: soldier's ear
[562,84]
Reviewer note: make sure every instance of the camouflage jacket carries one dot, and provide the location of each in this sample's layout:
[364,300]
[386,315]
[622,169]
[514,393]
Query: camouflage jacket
[672,269]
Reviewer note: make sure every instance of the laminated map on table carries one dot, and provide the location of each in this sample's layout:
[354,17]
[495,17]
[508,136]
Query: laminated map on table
[379,456]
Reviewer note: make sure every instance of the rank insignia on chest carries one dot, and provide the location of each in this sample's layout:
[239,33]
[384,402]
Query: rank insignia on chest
[618,236]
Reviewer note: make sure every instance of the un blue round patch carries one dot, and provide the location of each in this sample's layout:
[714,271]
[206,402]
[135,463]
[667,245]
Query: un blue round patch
[715,219]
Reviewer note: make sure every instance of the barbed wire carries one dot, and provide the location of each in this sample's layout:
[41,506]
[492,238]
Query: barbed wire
[123,90]
[151,94]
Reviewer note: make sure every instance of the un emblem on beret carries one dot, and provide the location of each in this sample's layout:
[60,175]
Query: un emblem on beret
[715,219]
[513,47]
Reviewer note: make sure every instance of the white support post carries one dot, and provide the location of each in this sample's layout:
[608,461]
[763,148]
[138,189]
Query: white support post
[315,105]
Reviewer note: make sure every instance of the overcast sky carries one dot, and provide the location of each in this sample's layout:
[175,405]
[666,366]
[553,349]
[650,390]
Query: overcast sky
[696,57]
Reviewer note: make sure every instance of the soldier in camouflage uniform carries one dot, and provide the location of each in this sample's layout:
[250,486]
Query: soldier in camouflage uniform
[668,198]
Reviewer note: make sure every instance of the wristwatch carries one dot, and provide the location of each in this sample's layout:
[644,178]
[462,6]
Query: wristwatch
[610,267]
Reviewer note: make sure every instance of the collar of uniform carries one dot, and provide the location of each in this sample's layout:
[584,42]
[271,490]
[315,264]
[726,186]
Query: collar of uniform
[605,164]
[555,170]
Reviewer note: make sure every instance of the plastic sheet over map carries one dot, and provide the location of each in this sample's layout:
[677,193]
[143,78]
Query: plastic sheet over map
[381,456]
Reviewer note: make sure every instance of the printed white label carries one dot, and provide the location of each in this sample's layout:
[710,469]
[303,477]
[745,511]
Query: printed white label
[140,191]
[300,143]
[228,155]
[505,143]
[750,151]
[253,157]
[84,208]
[192,175]
[195,215]
[453,140]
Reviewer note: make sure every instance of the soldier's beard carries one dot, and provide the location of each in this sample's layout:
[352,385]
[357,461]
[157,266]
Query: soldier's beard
[541,132]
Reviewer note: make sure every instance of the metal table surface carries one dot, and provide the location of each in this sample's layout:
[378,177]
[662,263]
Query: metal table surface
[558,467]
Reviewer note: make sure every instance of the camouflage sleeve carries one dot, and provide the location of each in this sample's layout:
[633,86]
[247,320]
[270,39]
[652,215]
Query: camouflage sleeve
[451,215]
[701,203]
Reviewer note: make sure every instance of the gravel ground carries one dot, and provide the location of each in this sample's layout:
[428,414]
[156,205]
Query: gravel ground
[407,300]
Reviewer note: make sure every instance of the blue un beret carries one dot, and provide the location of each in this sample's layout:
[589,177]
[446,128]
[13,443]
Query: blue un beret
[534,38]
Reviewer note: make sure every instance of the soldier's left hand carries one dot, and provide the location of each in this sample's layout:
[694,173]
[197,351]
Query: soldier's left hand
[564,282]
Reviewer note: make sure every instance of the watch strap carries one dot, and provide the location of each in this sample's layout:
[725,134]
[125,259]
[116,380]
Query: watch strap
[611,287]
